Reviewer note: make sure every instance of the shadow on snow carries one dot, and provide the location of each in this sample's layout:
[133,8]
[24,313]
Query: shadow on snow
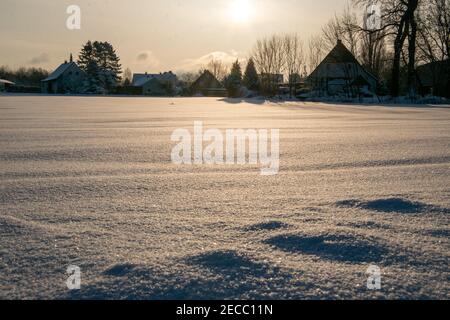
[211,275]
[393,205]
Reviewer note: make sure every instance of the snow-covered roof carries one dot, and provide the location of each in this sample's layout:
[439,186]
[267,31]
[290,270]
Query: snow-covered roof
[59,71]
[140,79]
[3,81]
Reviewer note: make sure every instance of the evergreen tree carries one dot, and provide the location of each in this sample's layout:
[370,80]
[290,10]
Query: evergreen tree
[86,56]
[102,66]
[108,62]
[233,82]
[251,80]
[93,83]
[87,61]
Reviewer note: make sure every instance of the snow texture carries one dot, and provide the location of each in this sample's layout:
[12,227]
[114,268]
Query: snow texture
[88,181]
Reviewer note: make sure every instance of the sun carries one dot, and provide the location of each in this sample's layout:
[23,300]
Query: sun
[240,11]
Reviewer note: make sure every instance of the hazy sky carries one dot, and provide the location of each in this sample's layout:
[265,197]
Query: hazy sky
[153,35]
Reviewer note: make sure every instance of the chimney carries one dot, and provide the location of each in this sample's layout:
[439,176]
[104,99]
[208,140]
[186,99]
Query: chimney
[71,58]
[339,41]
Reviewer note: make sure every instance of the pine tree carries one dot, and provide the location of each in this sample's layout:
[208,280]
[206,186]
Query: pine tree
[93,83]
[102,66]
[87,61]
[86,56]
[233,82]
[108,62]
[251,80]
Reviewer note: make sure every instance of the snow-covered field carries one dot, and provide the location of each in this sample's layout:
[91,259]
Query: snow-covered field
[89,182]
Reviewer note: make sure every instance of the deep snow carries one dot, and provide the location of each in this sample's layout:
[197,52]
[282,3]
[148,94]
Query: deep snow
[89,182]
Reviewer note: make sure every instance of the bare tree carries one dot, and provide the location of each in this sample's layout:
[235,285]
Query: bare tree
[332,32]
[374,53]
[268,55]
[342,27]
[127,77]
[316,52]
[434,30]
[433,41]
[189,78]
[294,59]
[399,21]
[218,69]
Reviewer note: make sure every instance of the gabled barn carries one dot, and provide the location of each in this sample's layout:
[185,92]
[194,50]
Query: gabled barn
[341,74]
[208,85]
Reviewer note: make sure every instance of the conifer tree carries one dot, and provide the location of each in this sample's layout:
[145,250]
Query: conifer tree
[102,66]
[233,82]
[251,80]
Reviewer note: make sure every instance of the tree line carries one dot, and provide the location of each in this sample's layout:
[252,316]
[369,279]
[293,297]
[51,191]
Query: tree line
[30,77]
[411,33]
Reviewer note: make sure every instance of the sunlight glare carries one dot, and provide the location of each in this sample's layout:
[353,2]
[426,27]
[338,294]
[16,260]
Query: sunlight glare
[240,11]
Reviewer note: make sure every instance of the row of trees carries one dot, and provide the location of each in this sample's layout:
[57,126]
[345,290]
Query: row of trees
[271,56]
[411,33]
[236,80]
[30,77]
[279,54]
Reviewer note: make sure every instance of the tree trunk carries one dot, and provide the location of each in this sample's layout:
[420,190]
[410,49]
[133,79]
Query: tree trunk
[412,48]
[398,46]
[412,60]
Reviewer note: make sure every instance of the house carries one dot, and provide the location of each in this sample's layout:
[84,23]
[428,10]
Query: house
[67,78]
[208,85]
[161,84]
[434,78]
[5,84]
[340,73]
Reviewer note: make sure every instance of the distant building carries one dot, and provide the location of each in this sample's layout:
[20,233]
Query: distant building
[161,84]
[277,79]
[67,78]
[434,78]
[295,78]
[5,84]
[208,85]
[340,73]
